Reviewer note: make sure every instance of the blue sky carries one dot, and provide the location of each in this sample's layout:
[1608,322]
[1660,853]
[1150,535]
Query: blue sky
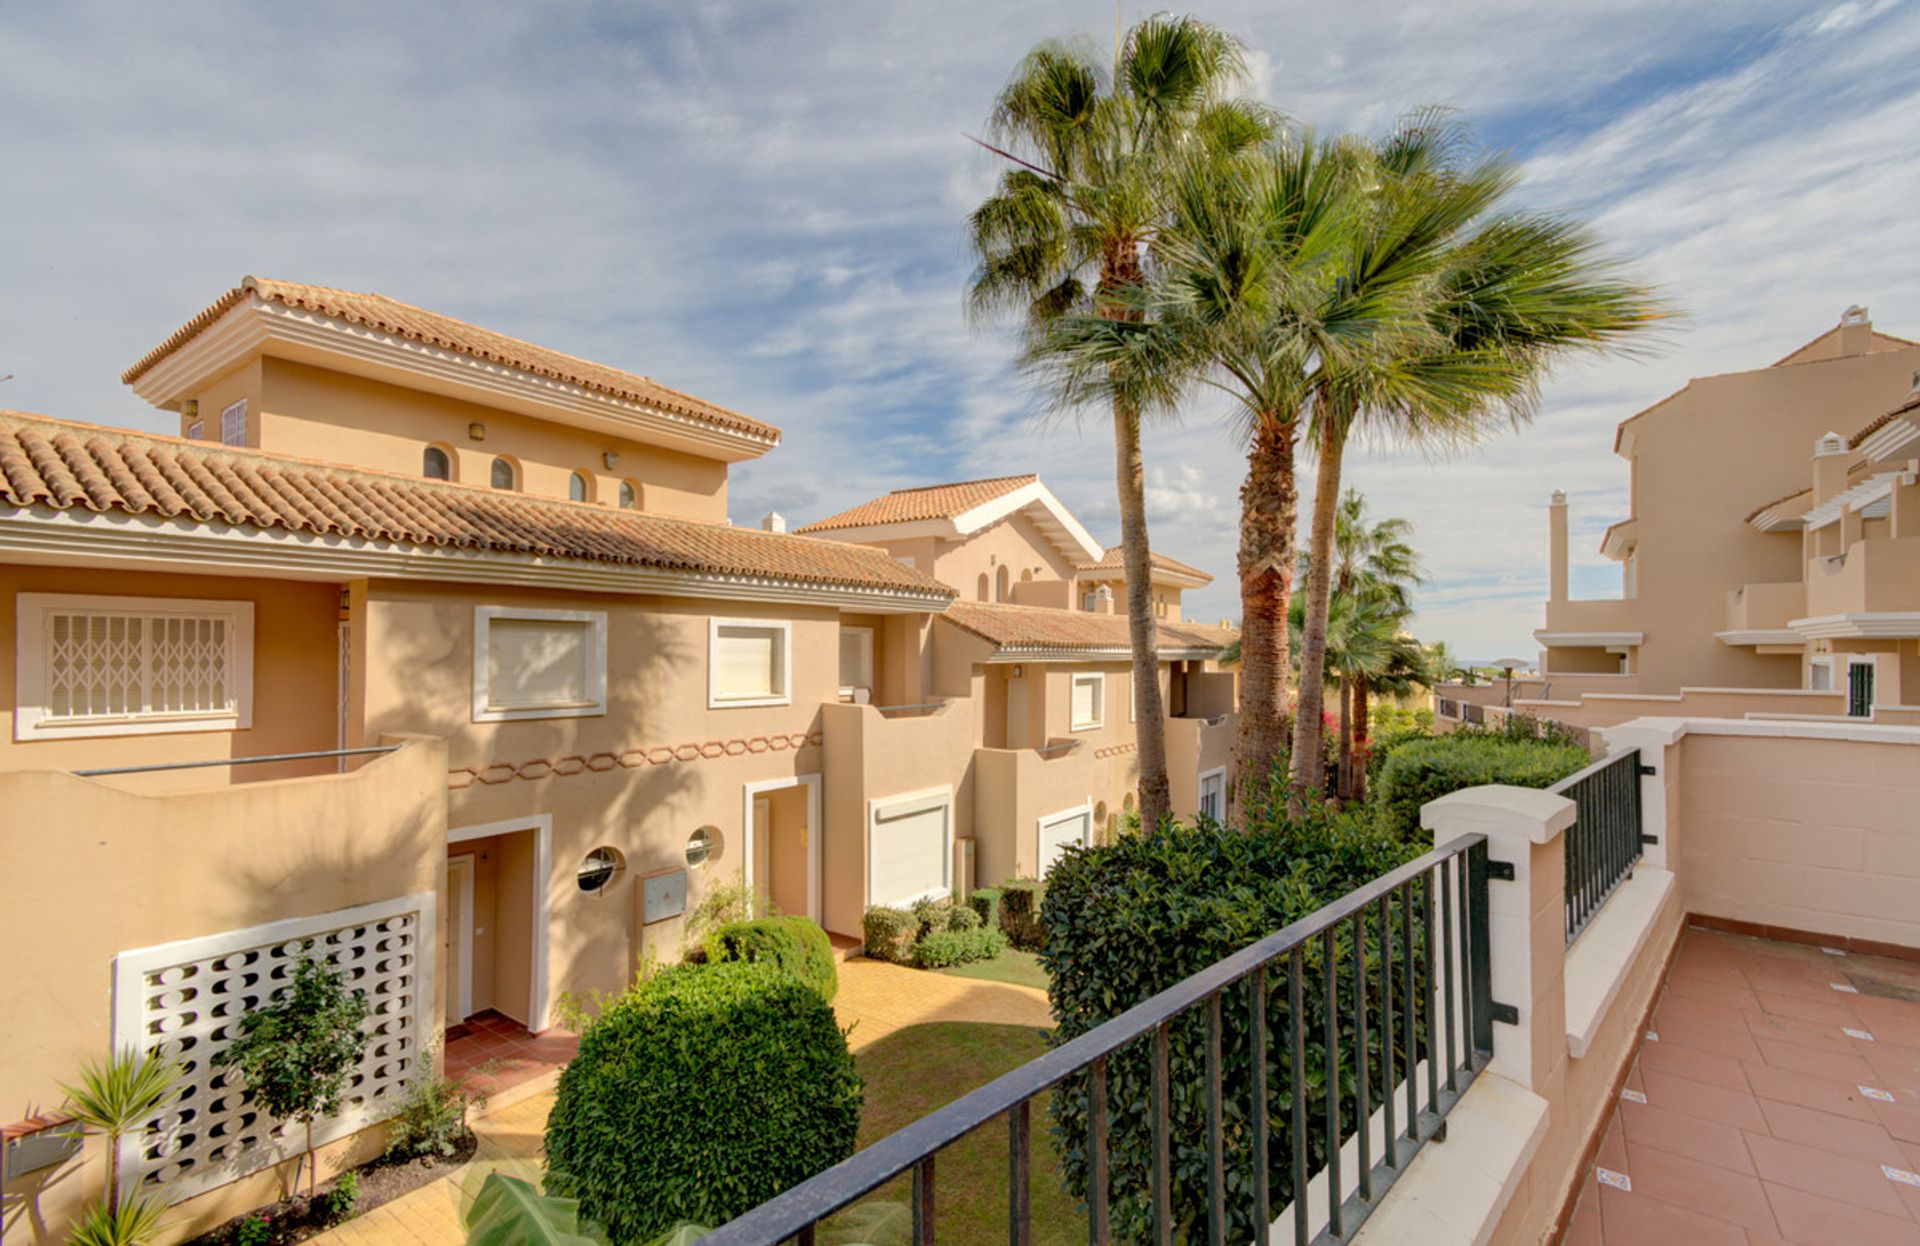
[764,204]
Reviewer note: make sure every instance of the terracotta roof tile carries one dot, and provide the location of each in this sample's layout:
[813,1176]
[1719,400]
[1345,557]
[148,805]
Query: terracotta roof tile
[67,466]
[1067,631]
[377,311]
[924,502]
[1111,561]
[1911,405]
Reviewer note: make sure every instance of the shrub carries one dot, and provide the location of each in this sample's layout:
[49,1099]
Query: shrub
[1128,920]
[889,934]
[796,944]
[255,1230]
[1424,770]
[1020,904]
[957,947]
[962,917]
[725,901]
[986,902]
[432,1120]
[344,1194]
[702,1093]
[930,915]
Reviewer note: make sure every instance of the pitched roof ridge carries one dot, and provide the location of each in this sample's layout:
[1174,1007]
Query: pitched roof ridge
[962,484]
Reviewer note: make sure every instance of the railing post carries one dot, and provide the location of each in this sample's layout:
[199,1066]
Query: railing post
[1479,952]
[1526,919]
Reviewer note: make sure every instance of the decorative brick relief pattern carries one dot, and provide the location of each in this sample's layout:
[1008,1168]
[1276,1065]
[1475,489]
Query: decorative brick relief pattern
[183,1001]
[627,759]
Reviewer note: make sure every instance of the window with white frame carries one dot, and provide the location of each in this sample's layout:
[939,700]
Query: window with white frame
[1820,674]
[747,662]
[131,665]
[856,661]
[1089,701]
[538,663]
[1213,794]
[233,424]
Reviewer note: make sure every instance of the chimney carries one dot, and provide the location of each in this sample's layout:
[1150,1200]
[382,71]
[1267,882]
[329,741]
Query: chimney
[1103,600]
[1557,546]
[1829,467]
[773,521]
[1856,331]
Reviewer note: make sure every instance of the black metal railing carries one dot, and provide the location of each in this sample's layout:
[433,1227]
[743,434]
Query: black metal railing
[318,755]
[1604,843]
[1393,1039]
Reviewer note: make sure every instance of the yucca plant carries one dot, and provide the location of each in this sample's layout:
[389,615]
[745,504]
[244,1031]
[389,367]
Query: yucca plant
[116,1098]
[112,1223]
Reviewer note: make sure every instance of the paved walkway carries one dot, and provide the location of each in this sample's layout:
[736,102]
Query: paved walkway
[1780,1103]
[875,999]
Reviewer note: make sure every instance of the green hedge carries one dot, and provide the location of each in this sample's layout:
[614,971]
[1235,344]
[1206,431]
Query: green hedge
[957,947]
[1128,920]
[796,944]
[986,902]
[962,917]
[1423,770]
[700,1094]
[889,934]
[1020,904]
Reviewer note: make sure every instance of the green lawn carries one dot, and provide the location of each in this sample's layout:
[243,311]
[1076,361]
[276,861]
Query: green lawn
[1019,968]
[914,1071]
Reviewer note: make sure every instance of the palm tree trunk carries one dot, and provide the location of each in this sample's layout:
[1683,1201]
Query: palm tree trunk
[1344,783]
[1269,510]
[1309,762]
[1362,735]
[1149,721]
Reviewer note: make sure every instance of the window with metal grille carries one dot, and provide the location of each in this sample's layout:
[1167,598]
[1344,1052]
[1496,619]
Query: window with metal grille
[131,663]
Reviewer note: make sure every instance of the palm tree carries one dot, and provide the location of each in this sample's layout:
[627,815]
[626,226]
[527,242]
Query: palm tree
[1069,230]
[1466,307]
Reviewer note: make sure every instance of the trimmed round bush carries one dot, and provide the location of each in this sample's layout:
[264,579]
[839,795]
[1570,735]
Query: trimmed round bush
[889,933]
[986,902]
[957,947]
[1422,770]
[700,1094]
[961,917]
[796,944]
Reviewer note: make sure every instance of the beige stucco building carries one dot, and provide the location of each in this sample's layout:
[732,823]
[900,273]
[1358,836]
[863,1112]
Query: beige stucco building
[526,695]
[1770,560]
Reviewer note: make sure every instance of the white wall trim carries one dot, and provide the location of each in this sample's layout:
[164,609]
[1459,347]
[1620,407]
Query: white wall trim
[785,696]
[815,837]
[1862,625]
[484,710]
[30,721]
[541,824]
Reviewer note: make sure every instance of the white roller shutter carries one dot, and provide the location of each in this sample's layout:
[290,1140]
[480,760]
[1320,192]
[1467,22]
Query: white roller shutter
[1060,831]
[908,852]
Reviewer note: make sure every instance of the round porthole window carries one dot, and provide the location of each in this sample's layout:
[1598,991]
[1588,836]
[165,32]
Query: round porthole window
[599,868]
[702,845]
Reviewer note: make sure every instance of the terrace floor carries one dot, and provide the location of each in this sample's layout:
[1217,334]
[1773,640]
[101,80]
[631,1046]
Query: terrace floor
[1775,1099]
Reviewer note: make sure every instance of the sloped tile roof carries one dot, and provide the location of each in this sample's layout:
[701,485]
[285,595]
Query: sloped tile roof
[377,311]
[1068,631]
[1911,405]
[1113,561]
[69,466]
[924,502]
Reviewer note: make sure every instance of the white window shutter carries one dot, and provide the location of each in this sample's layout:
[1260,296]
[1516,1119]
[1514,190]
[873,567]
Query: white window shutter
[534,662]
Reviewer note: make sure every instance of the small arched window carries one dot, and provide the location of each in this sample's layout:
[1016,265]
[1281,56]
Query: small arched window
[579,488]
[982,590]
[629,496]
[1026,575]
[503,475]
[435,465]
[1002,584]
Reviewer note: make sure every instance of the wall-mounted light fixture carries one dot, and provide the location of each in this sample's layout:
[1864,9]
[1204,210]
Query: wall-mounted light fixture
[610,458]
[477,431]
[1016,672]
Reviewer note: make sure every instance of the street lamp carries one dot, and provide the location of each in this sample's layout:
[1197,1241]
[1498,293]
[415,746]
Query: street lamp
[1507,667]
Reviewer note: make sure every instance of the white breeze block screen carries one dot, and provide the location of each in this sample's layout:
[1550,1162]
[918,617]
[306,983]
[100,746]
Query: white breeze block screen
[908,851]
[184,1001]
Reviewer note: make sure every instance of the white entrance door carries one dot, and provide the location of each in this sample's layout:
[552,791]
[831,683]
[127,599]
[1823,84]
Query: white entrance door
[1059,832]
[458,942]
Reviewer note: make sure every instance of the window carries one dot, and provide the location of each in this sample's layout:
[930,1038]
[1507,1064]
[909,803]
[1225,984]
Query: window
[132,665]
[503,475]
[856,660]
[579,488]
[1089,701]
[233,424]
[197,431]
[1213,794]
[435,465]
[701,845]
[629,496]
[1820,675]
[747,663]
[981,590]
[599,868]
[1001,584]
[538,663]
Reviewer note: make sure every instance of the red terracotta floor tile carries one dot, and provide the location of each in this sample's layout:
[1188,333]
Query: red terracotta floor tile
[1613,1146]
[1849,1179]
[1584,1228]
[1806,1033]
[1683,1009]
[1738,1044]
[1645,1125]
[1713,1192]
[1713,990]
[1631,1220]
[1827,1132]
[1840,1065]
[1902,1120]
[1693,1064]
[1818,1221]
[1890,1020]
[1831,1009]
[1820,1093]
[1898,1065]
[1707,1102]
